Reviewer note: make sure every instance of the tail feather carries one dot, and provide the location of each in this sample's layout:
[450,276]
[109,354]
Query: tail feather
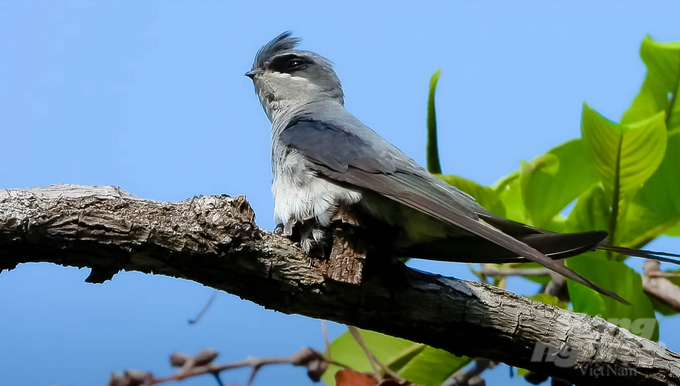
[660,256]
[477,250]
[553,245]
[519,230]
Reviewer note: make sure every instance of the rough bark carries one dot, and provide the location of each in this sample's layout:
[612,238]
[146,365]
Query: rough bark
[214,241]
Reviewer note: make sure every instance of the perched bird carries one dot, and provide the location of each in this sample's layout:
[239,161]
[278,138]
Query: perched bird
[323,158]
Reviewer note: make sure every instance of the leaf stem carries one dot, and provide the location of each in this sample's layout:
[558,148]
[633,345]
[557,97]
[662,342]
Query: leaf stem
[671,104]
[613,219]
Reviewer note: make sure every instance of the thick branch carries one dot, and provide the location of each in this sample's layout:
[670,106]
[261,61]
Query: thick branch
[214,241]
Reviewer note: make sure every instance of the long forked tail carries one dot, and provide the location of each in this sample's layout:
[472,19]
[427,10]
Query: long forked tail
[661,256]
[553,245]
[477,250]
[560,245]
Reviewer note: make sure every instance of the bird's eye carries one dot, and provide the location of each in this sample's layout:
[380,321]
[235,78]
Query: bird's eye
[295,64]
[288,64]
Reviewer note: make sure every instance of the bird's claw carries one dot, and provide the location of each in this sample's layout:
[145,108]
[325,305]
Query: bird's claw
[313,236]
[286,229]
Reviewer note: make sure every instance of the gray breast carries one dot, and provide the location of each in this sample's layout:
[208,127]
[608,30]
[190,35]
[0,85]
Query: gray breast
[299,194]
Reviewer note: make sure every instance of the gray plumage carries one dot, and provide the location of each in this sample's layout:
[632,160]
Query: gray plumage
[323,157]
[281,43]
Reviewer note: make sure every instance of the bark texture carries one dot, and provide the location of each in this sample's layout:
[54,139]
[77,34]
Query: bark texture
[214,241]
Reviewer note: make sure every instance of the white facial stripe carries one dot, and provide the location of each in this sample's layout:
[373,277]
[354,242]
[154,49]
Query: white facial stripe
[284,75]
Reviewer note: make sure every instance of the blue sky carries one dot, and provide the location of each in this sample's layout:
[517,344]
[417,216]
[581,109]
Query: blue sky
[151,97]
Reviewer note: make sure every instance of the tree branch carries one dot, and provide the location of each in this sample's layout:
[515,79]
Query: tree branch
[656,283]
[492,270]
[214,241]
[202,364]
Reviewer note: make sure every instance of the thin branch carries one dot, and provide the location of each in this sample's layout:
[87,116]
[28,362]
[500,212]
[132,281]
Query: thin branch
[656,284]
[490,270]
[369,354]
[219,380]
[463,376]
[557,287]
[614,219]
[205,308]
[253,373]
[663,274]
[376,364]
[202,364]
[192,367]
[326,341]
[674,98]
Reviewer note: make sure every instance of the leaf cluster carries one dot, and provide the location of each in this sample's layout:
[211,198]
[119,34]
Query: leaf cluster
[622,177]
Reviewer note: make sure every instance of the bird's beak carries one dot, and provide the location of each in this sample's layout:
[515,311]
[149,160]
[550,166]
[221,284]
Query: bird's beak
[251,74]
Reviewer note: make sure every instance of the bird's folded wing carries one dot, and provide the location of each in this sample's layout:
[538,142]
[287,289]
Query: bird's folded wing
[360,158]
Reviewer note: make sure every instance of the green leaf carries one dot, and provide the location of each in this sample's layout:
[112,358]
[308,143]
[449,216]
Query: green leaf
[549,299]
[591,212]
[433,165]
[425,368]
[551,181]
[639,318]
[415,362]
[656,207]
[485,196]
[509,191]
[662,80]
[640,226]
[625,156]
[674,230]
[557,224]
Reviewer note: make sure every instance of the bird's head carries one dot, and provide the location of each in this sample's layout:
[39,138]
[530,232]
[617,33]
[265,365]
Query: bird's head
[286,78]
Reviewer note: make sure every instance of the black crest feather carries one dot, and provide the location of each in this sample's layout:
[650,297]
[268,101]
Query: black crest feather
[281,43]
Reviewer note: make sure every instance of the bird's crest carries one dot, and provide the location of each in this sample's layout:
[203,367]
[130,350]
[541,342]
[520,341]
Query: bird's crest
[281,43]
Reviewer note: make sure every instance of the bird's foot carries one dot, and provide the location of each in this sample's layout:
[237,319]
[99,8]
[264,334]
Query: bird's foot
[286,229]
[314,239]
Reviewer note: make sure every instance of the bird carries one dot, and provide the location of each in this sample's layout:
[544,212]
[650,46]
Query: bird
[325,159]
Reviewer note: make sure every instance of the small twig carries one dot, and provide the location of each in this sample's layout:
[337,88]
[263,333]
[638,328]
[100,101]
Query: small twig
[201,364]
[463,377]
[253,372]
[656,284]
[478,274]
[663,274]
[326,341]
[369,354]
[206,307]
[372,359]
[557,287]
[216,369]
[218,379]
[490,270]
